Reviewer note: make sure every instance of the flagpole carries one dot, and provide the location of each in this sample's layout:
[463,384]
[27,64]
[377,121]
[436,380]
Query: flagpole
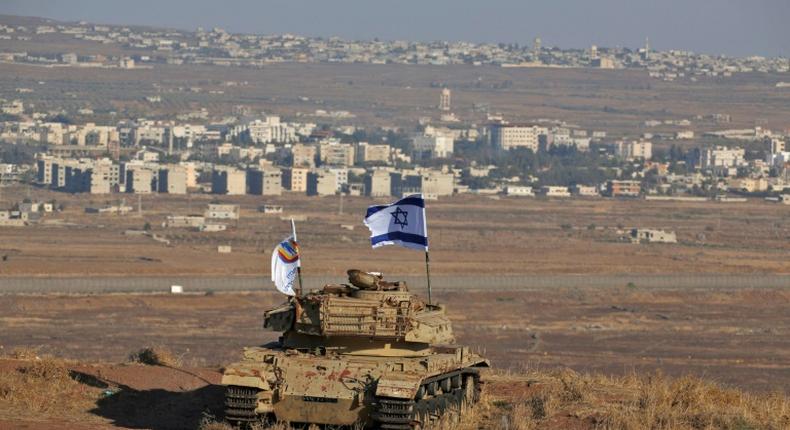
[427,258]
[428,273]
[299,263]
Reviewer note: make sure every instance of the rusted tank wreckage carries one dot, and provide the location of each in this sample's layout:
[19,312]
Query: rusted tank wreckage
[365,354]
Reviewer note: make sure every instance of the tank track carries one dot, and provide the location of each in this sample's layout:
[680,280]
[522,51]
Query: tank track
[394,413]
[403,414]
[240,404]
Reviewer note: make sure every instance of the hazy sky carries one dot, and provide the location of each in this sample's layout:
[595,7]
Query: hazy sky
[732,27]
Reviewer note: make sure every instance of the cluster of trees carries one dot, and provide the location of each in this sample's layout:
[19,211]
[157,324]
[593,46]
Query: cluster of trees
[557,166]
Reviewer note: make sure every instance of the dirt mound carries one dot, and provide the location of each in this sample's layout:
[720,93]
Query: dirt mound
[45,393]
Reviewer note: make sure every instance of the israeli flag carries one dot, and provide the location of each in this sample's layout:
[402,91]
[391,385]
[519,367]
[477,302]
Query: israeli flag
[400,223]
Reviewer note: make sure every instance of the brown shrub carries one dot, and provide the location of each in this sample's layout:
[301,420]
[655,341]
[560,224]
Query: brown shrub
[25,353]
[209,423]
[43,386]
[155,356]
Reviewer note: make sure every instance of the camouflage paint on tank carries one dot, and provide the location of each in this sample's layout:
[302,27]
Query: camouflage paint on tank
[343,347]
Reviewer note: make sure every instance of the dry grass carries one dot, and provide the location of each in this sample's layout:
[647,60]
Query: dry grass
[528,400]
[564,398]
[211,423]
[155,356]
[43,386]
[25,354]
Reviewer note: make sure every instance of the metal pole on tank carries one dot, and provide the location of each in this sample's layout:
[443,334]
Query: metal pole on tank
[299,261]
[428,273]
[427,258]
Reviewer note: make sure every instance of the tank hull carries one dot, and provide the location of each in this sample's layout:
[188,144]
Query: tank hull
[303,387]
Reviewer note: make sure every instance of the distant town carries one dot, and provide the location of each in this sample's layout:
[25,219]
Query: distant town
[219,47]
[264,155]
[330,153]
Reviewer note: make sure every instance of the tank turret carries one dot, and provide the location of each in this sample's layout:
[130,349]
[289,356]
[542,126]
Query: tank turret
[368,352]
[368,317]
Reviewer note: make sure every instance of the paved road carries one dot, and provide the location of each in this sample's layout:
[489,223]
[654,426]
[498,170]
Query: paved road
[14,285]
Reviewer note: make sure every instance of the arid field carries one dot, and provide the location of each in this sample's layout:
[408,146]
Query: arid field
[622,357]
[468,235]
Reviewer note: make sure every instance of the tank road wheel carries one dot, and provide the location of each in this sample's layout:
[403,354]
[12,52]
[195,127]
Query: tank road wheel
[422,417]
[432,388]
[420,392]
[469,391]
[457,381]
[446,385]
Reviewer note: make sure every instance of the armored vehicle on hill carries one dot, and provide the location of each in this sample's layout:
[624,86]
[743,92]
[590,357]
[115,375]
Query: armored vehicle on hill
[366,354]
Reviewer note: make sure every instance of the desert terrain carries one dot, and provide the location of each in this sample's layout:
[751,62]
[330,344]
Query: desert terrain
[585,330]
[738,337]
[468,235]
[618,101]
[583,358]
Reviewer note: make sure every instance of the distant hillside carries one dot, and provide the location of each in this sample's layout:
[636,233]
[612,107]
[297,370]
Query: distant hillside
[32,21]
[26,20]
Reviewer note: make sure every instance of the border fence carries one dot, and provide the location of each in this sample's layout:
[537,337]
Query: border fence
[443,283]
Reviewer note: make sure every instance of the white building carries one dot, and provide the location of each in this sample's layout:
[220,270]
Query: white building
[229,181]
[722,160]
[633,150]
[585,191]
[508,136]
[519,190]
[366,153]
[554,191]
[222,211]
[268,130]
[434,143]
[444,100]
[336,154]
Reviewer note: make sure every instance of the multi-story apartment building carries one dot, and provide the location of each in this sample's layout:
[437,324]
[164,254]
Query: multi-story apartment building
[437,145]
[268,130]
[378,183]
[336,154]
[507,136]
[230,181]
[295,179]
[367,153]
[641,149]
[721,160]
[140,180]
[172,180]
[321,182]
[266,182]
[303,155]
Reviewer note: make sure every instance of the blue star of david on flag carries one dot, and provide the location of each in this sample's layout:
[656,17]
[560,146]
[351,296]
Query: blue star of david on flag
[400,223]
[401,217]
